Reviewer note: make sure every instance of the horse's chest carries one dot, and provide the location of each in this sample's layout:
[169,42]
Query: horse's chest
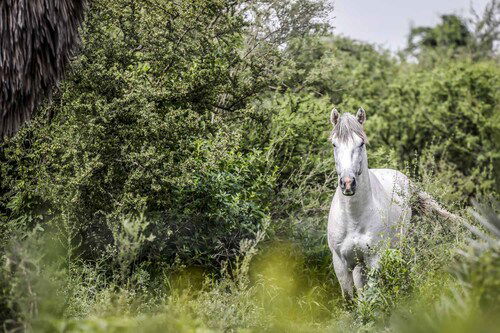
[355,247]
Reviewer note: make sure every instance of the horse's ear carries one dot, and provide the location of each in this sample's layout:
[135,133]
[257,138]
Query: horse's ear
[334,117]
[361,116]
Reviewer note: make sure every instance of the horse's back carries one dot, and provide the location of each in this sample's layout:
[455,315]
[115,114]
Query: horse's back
[392,180]
[395,184]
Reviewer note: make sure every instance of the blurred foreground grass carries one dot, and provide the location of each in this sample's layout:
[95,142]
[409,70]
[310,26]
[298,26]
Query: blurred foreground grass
[423,286]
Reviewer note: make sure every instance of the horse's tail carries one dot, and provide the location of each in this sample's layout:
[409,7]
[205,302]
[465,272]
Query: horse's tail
[426,205]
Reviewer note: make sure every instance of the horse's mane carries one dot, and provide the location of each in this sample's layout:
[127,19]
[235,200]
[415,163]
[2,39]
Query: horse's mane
[346,127]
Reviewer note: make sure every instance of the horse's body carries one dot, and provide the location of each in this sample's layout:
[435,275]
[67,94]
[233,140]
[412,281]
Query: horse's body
[370,207]
[359,225]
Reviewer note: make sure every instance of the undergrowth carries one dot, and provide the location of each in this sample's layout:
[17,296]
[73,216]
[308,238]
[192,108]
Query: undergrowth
[269,287]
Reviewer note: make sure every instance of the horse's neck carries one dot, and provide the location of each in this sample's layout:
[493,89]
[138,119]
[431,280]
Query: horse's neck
[355,205]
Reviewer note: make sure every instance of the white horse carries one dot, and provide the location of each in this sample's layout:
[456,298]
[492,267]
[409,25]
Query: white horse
[371,207]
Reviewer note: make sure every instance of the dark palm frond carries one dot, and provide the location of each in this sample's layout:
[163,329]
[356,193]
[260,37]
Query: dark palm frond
[36,41]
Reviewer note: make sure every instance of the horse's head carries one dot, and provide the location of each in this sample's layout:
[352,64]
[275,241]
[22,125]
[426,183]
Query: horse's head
[349,139]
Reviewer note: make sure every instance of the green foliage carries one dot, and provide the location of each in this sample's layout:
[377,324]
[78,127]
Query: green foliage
[386,286]
[135,131]
[349,73]
[451,110]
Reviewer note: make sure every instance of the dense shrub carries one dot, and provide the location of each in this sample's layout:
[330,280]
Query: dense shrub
[453,108]
[138,129]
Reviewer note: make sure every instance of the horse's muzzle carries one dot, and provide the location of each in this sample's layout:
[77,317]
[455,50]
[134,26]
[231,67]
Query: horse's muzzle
[348,185]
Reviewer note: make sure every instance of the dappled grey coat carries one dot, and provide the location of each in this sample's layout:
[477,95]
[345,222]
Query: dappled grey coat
[36,40]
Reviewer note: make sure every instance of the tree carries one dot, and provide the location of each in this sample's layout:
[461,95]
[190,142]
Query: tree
[486,29]
[37,38]
[148,123]
[475,36]
[451,33]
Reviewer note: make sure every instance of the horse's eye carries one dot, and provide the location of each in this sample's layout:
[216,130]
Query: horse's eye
[361,145]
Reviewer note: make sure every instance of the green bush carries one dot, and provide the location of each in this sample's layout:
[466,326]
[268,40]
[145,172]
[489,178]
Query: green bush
[391,283]
[451,109]
[134,131]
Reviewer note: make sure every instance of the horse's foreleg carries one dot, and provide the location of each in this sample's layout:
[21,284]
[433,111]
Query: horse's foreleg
[343,275]
[358,278]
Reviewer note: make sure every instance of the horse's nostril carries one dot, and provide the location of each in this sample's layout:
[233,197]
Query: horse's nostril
[348,183]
